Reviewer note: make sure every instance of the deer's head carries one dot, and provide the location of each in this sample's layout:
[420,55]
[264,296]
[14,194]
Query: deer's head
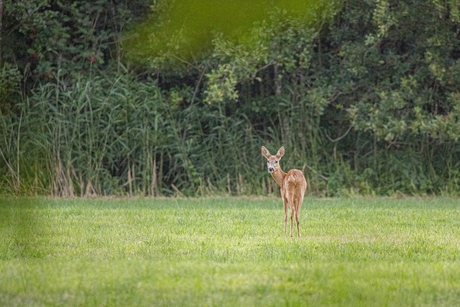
[272,161]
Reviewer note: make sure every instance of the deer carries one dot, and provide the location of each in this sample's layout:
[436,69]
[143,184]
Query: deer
[292,186]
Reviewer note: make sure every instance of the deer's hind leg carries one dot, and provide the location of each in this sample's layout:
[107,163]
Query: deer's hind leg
[298,204]
[285,215]
[297,219]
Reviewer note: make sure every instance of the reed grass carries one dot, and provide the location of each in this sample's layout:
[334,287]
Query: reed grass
[118,135]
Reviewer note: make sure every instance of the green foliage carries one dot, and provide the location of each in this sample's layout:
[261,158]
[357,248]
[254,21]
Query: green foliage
[53,40]
[363,95]
[10,90]
[116,135]
[414,79]
[185,29]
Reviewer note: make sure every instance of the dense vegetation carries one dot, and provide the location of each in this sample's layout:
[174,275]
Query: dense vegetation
[364,95]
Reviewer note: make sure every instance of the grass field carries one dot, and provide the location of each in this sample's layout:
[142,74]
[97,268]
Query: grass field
[229,252]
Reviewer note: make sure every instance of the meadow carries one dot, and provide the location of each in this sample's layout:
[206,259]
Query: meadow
[229,252]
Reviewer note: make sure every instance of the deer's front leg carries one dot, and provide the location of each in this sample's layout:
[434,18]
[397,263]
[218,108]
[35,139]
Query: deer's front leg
[285,215]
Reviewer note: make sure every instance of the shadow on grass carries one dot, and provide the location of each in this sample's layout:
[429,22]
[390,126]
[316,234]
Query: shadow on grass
[20,229]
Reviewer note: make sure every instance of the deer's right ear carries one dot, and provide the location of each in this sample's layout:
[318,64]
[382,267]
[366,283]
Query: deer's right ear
[265,152]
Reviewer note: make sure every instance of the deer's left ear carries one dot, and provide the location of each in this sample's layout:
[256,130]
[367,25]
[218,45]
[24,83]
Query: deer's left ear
[265,152]
[280,152]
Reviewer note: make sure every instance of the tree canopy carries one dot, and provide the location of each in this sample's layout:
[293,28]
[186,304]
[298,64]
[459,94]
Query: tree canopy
[176,97]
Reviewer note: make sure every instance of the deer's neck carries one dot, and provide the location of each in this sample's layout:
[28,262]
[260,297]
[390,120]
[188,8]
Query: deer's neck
[279,175]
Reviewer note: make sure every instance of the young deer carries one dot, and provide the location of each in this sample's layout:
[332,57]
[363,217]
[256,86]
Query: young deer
[292,185]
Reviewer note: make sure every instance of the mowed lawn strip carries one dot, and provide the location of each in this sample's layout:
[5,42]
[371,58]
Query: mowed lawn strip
[229,251]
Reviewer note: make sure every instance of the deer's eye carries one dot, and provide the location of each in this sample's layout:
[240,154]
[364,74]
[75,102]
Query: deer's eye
[276,162]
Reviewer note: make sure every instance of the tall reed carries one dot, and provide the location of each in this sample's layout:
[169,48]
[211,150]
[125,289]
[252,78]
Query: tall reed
[119,135]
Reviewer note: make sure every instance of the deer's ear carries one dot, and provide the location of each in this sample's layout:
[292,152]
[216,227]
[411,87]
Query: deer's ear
[280,152]
[265,152]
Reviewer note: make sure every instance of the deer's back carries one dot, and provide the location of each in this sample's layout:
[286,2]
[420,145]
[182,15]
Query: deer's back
[295,184]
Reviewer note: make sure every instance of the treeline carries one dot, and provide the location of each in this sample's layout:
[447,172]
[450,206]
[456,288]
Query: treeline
[364,95]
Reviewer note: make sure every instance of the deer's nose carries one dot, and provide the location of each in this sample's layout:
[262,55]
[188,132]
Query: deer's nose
[271,169]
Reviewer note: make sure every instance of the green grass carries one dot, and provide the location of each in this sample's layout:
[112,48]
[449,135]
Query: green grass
[229,252]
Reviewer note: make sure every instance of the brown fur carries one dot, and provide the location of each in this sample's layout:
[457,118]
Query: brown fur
[292,186]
